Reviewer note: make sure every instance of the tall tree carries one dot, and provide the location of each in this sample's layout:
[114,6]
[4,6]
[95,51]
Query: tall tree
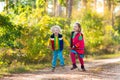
[54,7]
[95,2]
[66,7]
[84,3]
[109,4]
[111,7]
[69,8]
[112,12]
[59,9]
[7,5]
[104,5]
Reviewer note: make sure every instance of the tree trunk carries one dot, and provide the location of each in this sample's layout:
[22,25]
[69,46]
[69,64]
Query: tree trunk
[104,6]
[95,2]
[54,7]
[59,9]
[69,11]
[66,7]
[109,4]
[111,9]
[7,5]
[46,6]
[84,4]
[112,14]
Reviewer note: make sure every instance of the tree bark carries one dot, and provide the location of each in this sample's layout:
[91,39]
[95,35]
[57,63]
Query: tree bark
[54,7]
[46,6]
[59,9]
[112,14]
[95,2]
[111,9]
[69,11]
[104,6]
[84,3]
[109,4]
[66,7]
[7,5]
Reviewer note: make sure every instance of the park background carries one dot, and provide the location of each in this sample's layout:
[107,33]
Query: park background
[25,30]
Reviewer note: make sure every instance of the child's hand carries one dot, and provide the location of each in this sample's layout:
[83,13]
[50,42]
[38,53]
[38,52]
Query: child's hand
[69,48]
[73,47]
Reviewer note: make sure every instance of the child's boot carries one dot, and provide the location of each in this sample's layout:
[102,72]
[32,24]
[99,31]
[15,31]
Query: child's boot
[53,69]
[63,67]
[74,67]
[83,68]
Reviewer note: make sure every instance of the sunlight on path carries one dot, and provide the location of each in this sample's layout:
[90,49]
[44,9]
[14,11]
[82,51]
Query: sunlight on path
[67,74]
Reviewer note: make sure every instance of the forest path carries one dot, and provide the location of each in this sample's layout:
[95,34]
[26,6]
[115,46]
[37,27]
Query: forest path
[104,69]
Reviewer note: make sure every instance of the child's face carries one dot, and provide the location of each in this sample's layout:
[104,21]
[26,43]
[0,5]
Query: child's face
[76,28]
[56,31]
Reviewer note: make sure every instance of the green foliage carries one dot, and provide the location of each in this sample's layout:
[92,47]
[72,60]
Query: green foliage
[62,2]
[98,35]
[40,3]
[23,3]
[93,30]
[34,33]
[8,32]
[117,23]
[1,0]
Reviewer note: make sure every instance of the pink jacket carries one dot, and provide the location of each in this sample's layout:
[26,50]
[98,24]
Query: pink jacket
[77,43]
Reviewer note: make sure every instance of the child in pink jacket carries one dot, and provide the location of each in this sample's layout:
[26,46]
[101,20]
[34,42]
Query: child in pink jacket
[77,46]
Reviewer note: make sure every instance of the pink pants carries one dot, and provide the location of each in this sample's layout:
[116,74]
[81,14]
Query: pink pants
[73,59]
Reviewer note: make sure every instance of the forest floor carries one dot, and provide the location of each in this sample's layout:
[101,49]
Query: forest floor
[104,69]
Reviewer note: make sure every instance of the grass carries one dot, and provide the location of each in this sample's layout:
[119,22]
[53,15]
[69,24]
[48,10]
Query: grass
[22,68]
[107,56]
[103,56]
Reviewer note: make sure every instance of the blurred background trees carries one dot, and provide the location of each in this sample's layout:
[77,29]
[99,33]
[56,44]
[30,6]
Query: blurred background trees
[25,27]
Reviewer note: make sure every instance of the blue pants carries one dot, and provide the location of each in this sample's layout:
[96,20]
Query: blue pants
[57,53]
[81,55]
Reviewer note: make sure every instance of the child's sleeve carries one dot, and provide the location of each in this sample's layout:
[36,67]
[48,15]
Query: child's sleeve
[79,43]
[48,43]
[66,41]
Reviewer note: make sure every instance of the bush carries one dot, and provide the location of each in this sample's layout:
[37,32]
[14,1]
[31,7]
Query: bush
[34,33]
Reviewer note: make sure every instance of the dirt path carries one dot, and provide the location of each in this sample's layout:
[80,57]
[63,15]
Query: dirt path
[105,69]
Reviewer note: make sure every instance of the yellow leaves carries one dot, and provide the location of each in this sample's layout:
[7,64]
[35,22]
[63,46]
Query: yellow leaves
[40,3]
[21,19]
[1,63]
[66,42]
[101,47]
[2,31]
[36,13]
[35,34]
[109,29]
[10,52]
[34,41]
[45,19]
[116,33]
[40,56]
